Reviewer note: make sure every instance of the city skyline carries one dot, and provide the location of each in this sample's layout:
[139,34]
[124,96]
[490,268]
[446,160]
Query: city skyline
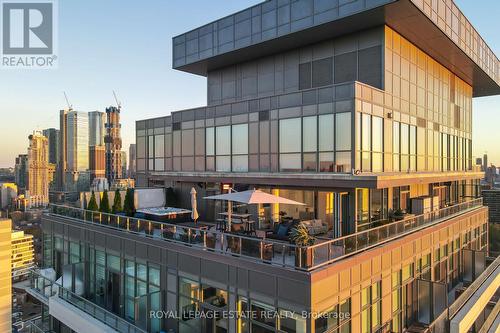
[162,89]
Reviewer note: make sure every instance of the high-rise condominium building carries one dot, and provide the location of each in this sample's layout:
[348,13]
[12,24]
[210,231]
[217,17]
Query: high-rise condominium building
[21,171]
[52,136]
[23,254]
[37,189]
[131,161]
[113,143]
[77,155]
[361,111]
[97,129]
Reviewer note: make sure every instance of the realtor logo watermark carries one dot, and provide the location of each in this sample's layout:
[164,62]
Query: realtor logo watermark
[29,34]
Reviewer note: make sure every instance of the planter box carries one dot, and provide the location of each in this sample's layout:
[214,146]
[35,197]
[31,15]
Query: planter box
[303,257]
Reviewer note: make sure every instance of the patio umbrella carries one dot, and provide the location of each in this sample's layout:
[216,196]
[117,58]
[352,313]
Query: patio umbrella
[251,197]
[194,210]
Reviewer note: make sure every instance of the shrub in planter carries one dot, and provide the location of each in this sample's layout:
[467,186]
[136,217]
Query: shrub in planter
[301,238]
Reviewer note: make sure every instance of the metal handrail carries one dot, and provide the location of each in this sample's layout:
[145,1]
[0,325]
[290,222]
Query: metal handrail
[306,258]
[473,287]
[488,323]
[445,317]
[92,309]
[471,203]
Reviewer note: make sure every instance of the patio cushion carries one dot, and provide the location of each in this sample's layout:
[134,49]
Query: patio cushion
[317,223]
[282,231]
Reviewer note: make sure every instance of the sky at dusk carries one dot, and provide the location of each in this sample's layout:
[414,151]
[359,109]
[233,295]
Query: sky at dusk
[125,45]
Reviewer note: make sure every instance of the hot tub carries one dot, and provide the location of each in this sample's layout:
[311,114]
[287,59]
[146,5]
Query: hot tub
[166,214]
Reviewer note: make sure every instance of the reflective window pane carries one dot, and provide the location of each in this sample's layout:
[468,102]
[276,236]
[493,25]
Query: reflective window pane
[223,140]
[210,144]
[343,161]
[377,134]
[343,131]
[240,139]
[326,132]
[290,135]
[240,163]
[223,163]
[326,162]
[290,162]
[365,132]
[309,162]
[309,134]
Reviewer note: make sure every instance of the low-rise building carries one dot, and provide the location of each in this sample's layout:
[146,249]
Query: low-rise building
[23,256]
[5,275]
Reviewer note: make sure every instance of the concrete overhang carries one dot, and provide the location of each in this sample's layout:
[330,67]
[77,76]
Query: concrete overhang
[401,15]
[318,180]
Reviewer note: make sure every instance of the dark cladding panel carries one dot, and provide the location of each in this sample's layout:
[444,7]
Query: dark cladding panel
[262,283]
[214,271]
[345,67]
[370,66]
[189,264]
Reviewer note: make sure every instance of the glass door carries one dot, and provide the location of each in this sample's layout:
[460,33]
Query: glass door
[213,321]
[345,227]
[113,292]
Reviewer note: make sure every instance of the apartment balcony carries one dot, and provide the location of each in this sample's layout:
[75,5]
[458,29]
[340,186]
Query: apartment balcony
[206,237]
[72,310]
[475,309]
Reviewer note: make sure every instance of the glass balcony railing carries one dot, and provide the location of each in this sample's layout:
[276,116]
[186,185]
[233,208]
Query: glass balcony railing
[46,288]
[280,253]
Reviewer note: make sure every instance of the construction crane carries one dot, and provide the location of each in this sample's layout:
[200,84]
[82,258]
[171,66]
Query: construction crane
[70,106]
[118,103]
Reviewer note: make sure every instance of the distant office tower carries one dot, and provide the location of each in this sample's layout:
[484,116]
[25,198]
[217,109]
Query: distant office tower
[23,255]
[52,170]
[37,189]
[113,143]
[479,161]
[52,135]
[8,193]
[97,129]
[124,164]
[77,142]
[131,161]
[5,276]
[97,162]
[21,171]
[485,162]
[63,149]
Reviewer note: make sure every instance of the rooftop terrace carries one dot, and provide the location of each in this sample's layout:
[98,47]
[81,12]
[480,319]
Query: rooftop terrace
[206,237]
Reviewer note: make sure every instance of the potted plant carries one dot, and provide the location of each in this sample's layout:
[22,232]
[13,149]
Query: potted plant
[299,236]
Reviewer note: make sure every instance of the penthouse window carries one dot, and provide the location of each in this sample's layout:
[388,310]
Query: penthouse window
[227,148]
[223,148]
[317,143]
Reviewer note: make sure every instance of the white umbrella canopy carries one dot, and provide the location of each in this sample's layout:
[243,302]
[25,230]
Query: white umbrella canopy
[254,197]
[251,197]
[194,204]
